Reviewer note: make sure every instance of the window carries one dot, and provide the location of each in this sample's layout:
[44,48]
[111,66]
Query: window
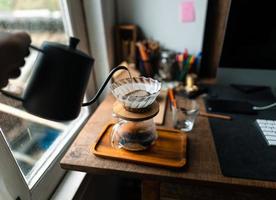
[41,19]
[30,146]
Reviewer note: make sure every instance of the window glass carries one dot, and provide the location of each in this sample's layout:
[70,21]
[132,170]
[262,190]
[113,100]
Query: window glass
[35,142]
[27,140]
[41,19]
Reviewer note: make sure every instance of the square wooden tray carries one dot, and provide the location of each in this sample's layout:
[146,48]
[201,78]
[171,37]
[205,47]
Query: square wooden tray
[168,151]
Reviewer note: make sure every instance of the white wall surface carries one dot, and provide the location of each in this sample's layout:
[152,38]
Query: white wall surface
[99,18]
[159,20]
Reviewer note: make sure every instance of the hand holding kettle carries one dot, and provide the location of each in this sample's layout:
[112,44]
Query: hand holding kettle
[14,47]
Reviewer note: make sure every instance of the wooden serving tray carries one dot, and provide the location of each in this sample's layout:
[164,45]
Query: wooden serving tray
[168,151]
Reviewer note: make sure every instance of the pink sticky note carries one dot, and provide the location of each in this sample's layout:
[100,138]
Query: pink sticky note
[187,11]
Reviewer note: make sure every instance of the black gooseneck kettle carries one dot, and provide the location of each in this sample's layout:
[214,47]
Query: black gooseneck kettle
[57,85]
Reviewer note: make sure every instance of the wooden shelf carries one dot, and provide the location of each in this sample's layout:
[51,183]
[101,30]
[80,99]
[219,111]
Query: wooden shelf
[126,37]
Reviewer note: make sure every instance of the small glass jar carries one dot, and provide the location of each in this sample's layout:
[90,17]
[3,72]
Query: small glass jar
[134,135]
[166,61]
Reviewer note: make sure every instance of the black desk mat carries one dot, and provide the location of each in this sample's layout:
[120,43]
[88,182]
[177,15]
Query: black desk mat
[241,148]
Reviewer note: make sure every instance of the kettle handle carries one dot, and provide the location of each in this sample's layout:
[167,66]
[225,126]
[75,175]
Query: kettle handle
[104,84]
[11,95]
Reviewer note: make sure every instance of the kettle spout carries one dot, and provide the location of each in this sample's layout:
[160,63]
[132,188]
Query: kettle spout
[104,85]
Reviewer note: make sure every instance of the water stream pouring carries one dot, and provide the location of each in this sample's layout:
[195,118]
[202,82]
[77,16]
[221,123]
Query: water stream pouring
[58,83]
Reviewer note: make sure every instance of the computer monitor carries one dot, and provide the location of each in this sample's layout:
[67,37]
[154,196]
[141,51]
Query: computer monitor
[248,54]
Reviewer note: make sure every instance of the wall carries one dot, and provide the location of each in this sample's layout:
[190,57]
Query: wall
[100,18]
[159,20]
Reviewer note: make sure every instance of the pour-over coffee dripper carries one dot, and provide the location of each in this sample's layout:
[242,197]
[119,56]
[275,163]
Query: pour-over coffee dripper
[137,93]
[135,108]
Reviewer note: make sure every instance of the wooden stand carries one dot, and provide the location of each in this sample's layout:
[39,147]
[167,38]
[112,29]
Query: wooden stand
[121,112]
[126,37]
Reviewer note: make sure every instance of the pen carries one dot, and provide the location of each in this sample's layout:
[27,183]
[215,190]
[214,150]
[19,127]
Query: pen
[145,58]
[171,97]
[218,116]
[185,68]
[191,62]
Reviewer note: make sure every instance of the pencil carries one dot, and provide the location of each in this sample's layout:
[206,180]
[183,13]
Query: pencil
[218,116]
[172,98]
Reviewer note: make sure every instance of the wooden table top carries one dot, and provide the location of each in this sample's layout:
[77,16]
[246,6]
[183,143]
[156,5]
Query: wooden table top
[203,166]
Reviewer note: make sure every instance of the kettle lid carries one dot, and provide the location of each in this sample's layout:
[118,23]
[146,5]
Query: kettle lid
[71,48]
